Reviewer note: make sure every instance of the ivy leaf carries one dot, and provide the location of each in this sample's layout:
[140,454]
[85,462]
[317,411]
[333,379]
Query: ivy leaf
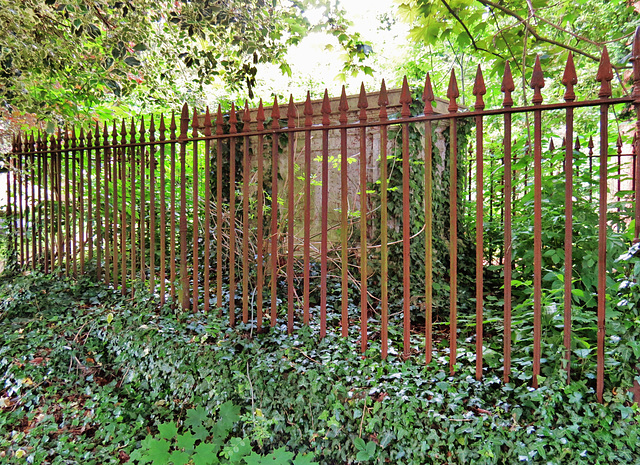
[159,451]
[279,456]
[186,441]
[387,438]
[168,430]
[132,61]
[236,449]
[196,418]
[229,415]
[206,454]
[177,457]
[306,459]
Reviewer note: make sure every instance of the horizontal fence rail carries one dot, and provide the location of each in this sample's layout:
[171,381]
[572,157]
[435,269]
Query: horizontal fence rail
[301,218]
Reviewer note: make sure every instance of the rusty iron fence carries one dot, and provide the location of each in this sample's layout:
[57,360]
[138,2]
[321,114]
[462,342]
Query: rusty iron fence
[214,212]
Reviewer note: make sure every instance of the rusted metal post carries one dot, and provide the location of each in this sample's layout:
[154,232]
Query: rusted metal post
[343,107]
[604,76]
[232,215]
[537,83]
[152,206]
[275,115]
[326,111]
[479,90]
[82,221]
[260,118]
[196,199]
[163,212]
[207,211]
[172,235]
[219,132]
[246,121]
[507,87]
[363,103]
[453,93]
[569,80]
[308,113]
[405,100]
[184,277]
[383,101]
[291,123]
[428,99]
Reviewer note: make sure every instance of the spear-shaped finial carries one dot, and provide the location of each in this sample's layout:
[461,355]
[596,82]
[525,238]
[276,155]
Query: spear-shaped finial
[184,121]
[326,108]
[537,82]
[453,93]
[233,120]
[275,114]
[246,117]
[605,75]
[479,90]
[383,101]
[569,79]
[308,111]
[363,103]
[427,96]
[291,113]
[219,121]
[260,118]
[207,123]
[343,107]
[507,86]
[405,99]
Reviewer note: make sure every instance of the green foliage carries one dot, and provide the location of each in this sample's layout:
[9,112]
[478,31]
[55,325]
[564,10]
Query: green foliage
[170,447]
[78,386]
[67,58]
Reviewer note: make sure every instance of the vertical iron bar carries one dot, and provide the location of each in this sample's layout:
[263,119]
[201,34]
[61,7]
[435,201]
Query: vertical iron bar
[405,99]
[172,258]
[290,214]
[184,278]
[245,217]
[384,225]
[569,79]
[134,225]
[479,90]
[344,260]
[45,194]
[163,213]
[428,230]
[81,198]
[363,103]
[219,132]
[143,203]
[260,218]
[508,193]
[152,207]
[326,111]
[34,228]
[274,215]
[308,112]
[207,211]
[91,149]
[123,211]
[602,247]
[74,204]
[67,229]
[232,216]
[196,199]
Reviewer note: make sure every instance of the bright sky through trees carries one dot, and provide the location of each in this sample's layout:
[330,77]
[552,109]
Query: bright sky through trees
[318,61]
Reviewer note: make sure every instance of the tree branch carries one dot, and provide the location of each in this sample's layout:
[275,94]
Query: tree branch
[534,33]
[473,41]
